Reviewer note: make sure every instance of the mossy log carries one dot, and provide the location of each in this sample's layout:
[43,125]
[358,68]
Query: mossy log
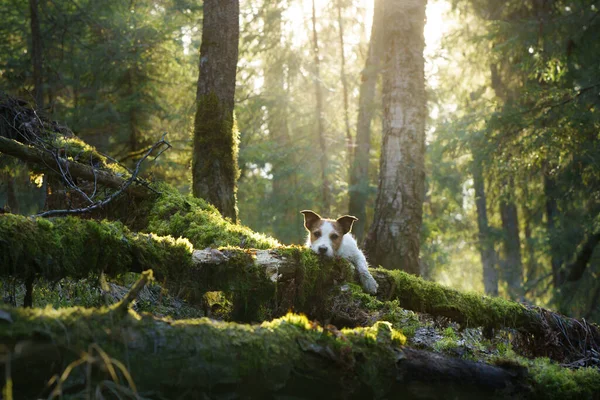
[267,283]
[544,332]
[91,350]
[46,161]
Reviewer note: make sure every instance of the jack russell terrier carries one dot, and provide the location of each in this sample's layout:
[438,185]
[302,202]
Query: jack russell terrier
[330,238]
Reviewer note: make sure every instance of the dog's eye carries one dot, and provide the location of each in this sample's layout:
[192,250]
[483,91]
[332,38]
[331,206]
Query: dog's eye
[334,236]
[317,234]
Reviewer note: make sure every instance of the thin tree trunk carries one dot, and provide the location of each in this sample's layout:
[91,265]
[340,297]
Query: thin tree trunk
[394,236]
[133,120]
[320,117]
[556,259]
[36,54]
[214,170]
[512,270]
[531,218]
[359,176]
[349,141]
[283,160]
[486,242]
[11,194]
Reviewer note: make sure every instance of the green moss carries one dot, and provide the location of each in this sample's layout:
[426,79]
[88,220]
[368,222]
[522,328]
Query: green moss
[216,144]
[201,223]
[258,359]
[469,309]
[403,320]
[448,342]
[555,382]
[77,248]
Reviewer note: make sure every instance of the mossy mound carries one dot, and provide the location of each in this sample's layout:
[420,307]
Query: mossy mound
[175,214]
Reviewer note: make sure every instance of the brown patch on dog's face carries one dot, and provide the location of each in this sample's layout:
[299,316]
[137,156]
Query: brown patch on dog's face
[315,230]
[336,235]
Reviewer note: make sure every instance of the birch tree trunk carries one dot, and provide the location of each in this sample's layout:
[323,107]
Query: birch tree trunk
[214,168]
[394,236]
[325,190]
[359,176]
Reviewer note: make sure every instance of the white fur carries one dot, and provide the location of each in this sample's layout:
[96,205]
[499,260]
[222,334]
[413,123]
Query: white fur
[348,250]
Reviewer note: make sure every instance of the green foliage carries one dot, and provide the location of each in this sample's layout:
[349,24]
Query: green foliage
[448,342]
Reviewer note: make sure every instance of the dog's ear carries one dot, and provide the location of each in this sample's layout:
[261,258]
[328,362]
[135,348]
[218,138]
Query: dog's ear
[346,222]
[310,219]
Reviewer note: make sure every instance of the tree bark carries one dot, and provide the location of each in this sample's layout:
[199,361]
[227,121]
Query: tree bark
[214,170]
[393,239]
[486,241]
[512,269]
[576,268]
[359,176]
[199,359]
[36,54]
[320,118]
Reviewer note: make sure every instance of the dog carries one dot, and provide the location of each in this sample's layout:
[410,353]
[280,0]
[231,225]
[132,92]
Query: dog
[330,238]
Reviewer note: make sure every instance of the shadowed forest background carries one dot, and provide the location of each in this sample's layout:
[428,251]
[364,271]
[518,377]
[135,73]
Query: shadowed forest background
[512,147]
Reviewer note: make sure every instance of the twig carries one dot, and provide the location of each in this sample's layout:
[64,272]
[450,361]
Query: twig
[126,184]
[123,306]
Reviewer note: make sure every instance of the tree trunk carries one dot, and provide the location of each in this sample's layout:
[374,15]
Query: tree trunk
[115,350]
[36,54]
[486,241]
[394,236]
[283,197]
[359,176]
[577,267]
[134,136]
[214,170]
[512,269]
[556,258]
[349,141]
[320,119]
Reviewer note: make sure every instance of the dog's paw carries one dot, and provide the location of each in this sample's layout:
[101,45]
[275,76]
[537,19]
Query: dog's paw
[368,283]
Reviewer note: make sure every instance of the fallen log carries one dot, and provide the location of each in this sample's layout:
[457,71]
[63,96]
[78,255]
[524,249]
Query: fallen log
[47,162]
[267,283]
[545,333]
[73,351]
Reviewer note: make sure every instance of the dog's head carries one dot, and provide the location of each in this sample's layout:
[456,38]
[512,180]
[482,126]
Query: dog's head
[325,235]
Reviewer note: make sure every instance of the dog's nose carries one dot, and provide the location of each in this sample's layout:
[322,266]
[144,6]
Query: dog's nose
[322,249]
